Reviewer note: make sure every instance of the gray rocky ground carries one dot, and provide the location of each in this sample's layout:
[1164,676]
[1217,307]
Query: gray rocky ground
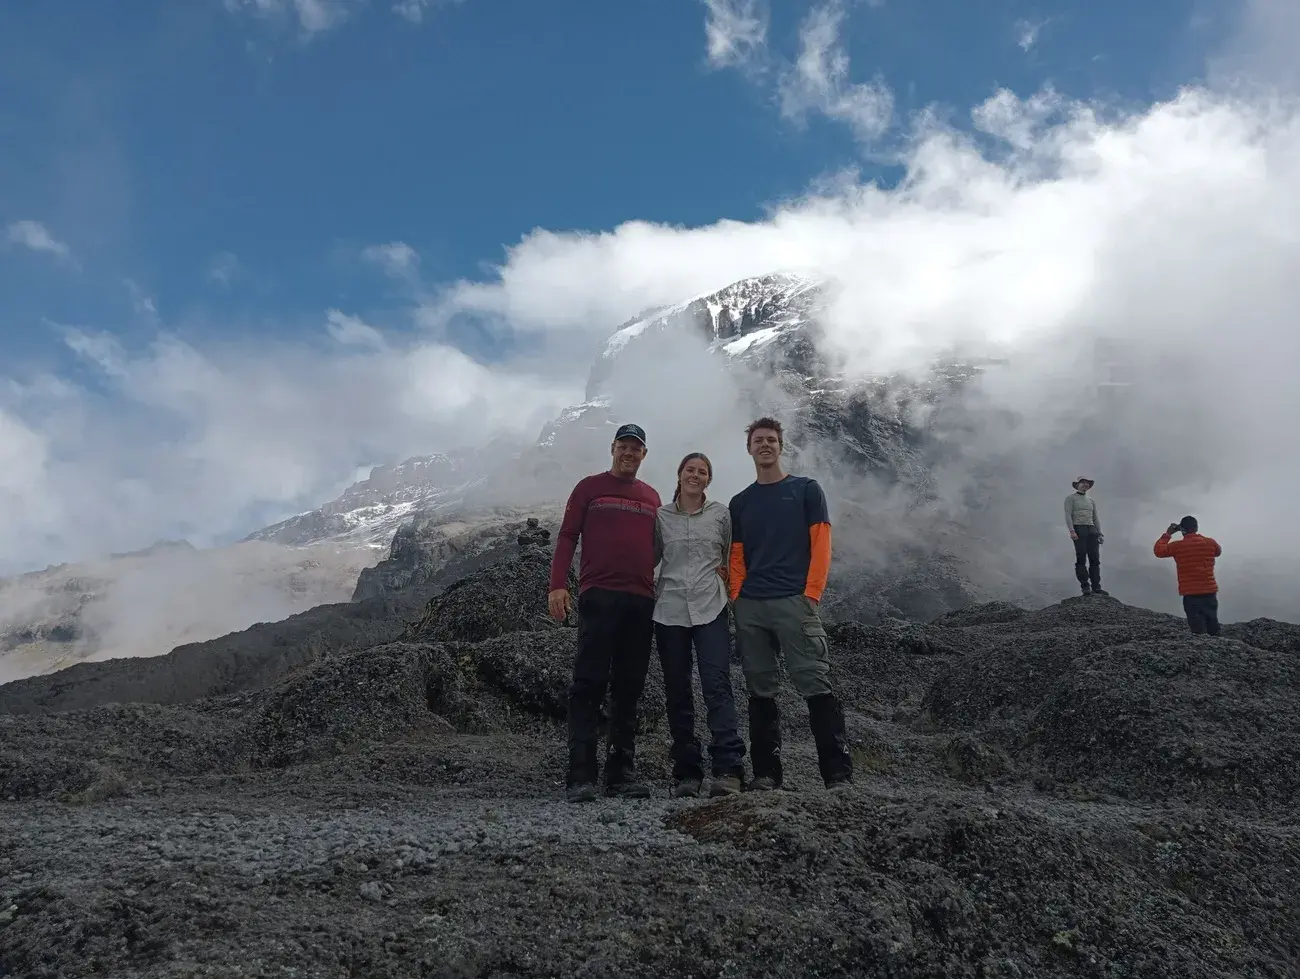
[1081,790]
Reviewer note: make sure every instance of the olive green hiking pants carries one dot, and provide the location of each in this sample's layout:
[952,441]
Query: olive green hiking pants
[766,629]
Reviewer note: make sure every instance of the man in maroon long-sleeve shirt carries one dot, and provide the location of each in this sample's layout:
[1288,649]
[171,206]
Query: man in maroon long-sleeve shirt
[614,514]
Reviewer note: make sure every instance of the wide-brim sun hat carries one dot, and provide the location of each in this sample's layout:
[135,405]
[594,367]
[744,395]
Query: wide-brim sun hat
[1084,479]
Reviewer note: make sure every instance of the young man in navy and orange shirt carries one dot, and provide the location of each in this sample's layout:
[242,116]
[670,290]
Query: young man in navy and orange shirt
[613,513]
[780,558]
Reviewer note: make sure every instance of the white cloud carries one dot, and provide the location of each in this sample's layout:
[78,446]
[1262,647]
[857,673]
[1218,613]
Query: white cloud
[317,16]
[1176,229]
[224,269]
[353,331]
[818,81]
[415,10]
[312,16]
[396,258]
[35,236]
[141,301]
[211,441]
[412,10]
[735,31]
[1028,32]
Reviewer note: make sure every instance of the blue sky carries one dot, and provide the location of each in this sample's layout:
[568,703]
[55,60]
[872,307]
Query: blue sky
[203,199]
[160,140]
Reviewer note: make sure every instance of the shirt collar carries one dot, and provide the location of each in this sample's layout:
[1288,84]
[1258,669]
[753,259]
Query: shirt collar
[690,513]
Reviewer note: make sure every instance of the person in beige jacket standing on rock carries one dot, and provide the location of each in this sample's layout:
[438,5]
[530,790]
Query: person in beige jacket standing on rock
[1084,524]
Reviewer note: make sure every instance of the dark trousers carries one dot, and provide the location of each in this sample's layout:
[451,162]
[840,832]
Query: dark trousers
[712,648]
[1202,613]
[1087,548]
[614,635]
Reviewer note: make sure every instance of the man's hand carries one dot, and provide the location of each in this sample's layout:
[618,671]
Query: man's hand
[1073,535]
[1173,528]
[1101,539]
[559,602]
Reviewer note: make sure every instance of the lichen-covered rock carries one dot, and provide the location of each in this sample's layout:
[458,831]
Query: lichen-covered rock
[1126,700]
[1280,637]
[506,597]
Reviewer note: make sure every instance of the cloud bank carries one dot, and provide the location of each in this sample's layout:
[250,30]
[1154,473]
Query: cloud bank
[170,439]
[1047,231]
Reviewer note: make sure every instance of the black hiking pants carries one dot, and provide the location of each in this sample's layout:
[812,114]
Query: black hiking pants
[712,650]
[614,635]
[1202,613]
[1087,548]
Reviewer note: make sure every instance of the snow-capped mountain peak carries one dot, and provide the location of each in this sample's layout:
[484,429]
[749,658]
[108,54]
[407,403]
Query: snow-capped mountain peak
[739,319]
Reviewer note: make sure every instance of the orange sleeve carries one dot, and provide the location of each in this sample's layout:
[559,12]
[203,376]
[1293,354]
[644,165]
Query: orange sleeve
[819,566]
[736,565]
[1163,548]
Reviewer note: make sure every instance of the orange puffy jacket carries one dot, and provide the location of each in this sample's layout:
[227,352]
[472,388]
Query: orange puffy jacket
[1194,556]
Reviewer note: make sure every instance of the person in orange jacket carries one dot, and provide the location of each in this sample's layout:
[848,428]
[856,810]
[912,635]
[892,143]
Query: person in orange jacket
[780,559]
[1194,557]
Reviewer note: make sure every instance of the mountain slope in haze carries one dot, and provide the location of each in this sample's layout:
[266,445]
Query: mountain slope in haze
[753,346]
[146,603]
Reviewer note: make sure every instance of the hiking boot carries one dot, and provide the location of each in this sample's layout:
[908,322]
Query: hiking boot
[586,792]
[627,790]
[687,788]
[725,785]
[765,740]
[826,718]
[764,783]
[1087,590]
[1098,590]
[839,785]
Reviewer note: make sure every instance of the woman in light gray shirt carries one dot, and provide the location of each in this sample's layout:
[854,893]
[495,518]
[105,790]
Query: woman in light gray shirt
[692,545]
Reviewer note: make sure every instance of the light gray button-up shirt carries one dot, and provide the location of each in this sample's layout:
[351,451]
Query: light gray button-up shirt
[690,548]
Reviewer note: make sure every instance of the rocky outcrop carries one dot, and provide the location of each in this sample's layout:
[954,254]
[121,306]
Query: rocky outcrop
[431,552]
[502,598]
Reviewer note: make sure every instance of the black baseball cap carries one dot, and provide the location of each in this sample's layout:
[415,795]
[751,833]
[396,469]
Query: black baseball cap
[630,432]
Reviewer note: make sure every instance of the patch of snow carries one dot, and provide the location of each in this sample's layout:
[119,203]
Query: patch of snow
[620,339]
[757,338]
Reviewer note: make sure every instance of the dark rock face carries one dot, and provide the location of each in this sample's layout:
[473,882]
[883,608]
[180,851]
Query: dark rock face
[1082,790]
[432,552]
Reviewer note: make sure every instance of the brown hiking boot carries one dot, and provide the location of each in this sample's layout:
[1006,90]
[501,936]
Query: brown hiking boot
[725,785]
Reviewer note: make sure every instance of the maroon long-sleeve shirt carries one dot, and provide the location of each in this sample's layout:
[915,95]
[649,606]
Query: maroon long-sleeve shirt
[616,520]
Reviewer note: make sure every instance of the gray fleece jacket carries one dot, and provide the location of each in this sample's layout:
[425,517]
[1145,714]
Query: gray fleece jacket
[1081,511]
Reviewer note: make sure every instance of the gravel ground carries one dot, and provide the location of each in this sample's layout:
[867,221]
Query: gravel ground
[1084,791]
